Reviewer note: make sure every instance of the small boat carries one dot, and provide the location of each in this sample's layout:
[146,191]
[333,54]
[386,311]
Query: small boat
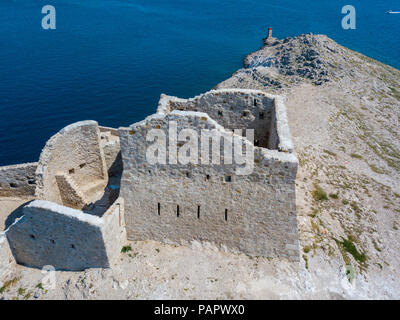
[392,12]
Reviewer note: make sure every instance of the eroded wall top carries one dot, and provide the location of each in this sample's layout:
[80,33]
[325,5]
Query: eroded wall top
[74,152]
[240,109]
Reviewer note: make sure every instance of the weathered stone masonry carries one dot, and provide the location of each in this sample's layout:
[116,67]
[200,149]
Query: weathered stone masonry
[7,261]
[79,221]
[95,187]
[18,180]
[65,238]
[255,213]
[74,153]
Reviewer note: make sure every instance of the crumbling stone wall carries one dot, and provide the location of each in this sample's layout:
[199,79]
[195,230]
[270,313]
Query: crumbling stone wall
[18,180]
[67,239]
[74,151]
[112,150]
[114,232]
[6,258]
[254,214]
[232,109]
[280,137]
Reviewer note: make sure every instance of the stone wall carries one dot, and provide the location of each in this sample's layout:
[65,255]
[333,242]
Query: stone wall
[280,126]
[254,214]
[232,109]
[18,180]
[6,259]
[74,151]
[113,230]
[112,150]
[112,131]
[67,239]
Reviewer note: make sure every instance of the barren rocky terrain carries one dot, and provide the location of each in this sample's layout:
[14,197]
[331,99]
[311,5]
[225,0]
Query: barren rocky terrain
[343,111]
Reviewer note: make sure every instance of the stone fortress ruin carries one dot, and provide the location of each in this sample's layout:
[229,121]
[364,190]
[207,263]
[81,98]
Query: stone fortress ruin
[93,187]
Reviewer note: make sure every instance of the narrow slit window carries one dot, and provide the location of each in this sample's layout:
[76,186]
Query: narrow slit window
[159,209]
[177,210]
[198,212]
[226,214]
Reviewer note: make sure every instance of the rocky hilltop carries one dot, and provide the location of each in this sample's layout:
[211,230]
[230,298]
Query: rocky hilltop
[343,110]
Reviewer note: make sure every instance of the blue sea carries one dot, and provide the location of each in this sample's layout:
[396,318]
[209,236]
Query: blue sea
[109,60]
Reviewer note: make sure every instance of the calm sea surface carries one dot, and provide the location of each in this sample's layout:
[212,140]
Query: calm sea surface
[109,60]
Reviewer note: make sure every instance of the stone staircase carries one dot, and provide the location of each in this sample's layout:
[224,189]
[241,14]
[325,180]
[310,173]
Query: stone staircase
[71,195]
